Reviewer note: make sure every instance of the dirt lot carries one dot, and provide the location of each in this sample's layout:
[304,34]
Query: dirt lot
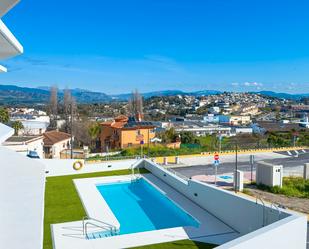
[294,203]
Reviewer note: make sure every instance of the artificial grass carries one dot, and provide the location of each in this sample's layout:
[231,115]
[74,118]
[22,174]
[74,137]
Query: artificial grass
[187,244]
[62,204]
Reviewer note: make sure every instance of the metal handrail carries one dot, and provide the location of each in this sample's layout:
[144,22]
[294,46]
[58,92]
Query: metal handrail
[133,171]
[112,227]
[277,208]
[256,202]
[90,223]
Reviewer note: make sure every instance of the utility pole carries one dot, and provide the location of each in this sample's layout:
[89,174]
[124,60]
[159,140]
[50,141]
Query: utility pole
[148,144]
[71,141]
[252,164]
[220,142]
[236,168]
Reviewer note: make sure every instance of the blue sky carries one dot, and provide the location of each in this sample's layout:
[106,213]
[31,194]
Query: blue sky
[119,45]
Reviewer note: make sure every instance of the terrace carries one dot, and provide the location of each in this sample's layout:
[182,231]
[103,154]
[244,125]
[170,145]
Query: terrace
[248,222]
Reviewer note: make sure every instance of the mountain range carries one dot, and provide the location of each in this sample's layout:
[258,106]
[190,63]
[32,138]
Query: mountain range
[11,94]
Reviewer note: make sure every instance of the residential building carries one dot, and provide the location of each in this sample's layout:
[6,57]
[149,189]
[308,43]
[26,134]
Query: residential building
[200,128]
[211,118]
[300,108]
[33,127]
[234,119]
[242,130]
[55,142]
[124,132]
[305,121]
[214,110]
[32,124]
[250,109]
[26,145]
[268,126]
[22,180]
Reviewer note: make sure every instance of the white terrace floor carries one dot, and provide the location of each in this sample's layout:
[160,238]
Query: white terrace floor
[70,234]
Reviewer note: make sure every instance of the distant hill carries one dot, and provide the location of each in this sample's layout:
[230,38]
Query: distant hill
[126,96]
[11,94]
[284,95]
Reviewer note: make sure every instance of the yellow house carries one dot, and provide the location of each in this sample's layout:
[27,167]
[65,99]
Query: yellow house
[124,132]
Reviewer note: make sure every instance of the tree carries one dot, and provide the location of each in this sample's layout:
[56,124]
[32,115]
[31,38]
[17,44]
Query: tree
[80,131]
[17,125]
[136,104]
[69,107]
[4,115]
[94,132]
[168,136]
[187,137]
[53,106]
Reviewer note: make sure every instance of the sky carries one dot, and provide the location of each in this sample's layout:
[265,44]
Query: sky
[120,45]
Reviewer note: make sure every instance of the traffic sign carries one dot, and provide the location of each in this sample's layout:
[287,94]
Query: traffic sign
[216,162]
[216,157]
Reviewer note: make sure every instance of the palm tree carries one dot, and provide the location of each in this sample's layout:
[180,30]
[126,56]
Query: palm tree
[94,131]
[4,116]
[17,125]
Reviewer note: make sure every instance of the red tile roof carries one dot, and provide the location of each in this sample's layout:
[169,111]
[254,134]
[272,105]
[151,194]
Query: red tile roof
[53,137]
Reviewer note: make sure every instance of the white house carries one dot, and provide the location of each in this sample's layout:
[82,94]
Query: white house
[56,142]
[33,127]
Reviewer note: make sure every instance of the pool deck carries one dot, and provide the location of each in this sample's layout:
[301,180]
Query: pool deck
[70,234]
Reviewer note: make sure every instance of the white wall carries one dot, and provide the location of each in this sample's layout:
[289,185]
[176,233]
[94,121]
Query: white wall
[58,167]
[288,233]
[58,147]
[22,187]
[242,214]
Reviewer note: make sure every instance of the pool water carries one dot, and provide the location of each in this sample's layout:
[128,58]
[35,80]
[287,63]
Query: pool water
[140,207]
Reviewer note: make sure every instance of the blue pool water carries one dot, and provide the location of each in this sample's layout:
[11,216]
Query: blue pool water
[139,207]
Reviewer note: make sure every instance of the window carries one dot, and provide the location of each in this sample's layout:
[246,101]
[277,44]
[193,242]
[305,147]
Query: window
[129,144]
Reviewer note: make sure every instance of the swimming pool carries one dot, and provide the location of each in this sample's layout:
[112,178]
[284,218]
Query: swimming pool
[140,207]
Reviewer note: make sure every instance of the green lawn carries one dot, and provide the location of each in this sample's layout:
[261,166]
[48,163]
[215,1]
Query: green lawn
[62,204]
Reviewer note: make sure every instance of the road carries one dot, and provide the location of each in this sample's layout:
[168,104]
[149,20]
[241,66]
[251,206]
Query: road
[291,164]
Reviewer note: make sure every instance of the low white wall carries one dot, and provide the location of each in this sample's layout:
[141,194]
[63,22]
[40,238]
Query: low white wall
[240,213]
[58,167]
[288,233]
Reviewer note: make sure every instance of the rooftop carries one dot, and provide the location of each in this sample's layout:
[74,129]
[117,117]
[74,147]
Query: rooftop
[277,126]
[123,122]
[53,137]
[22,139]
